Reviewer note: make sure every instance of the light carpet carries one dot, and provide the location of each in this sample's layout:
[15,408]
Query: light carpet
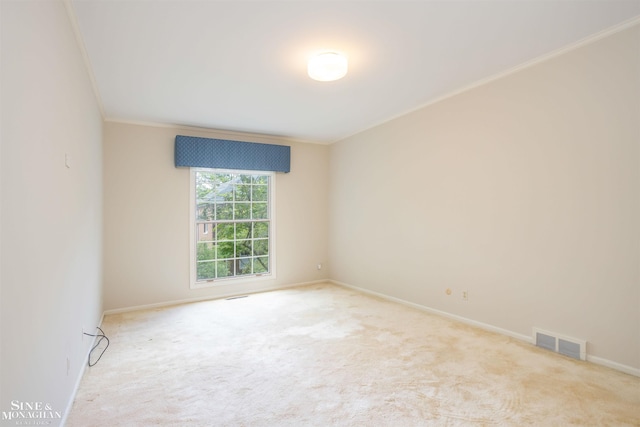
[324,355]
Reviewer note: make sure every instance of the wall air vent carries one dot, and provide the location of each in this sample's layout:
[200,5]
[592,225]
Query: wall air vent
[568,346]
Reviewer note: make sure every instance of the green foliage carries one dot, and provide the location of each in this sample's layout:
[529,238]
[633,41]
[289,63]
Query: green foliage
[261,265]
[259,193]
[243,230]
[243,248]
[260,179]
[242,211]
[206,251]
[260,230]
[225,232]
[243,193]
[206,270]
[261,247]
[224,211]
[234,244]
[260,211]
[244,266]
[225,268]
[226,250]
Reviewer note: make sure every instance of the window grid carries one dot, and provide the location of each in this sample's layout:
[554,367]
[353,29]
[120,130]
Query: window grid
[232,225]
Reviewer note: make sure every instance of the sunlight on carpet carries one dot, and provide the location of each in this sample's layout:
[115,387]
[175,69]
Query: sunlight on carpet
[324,355]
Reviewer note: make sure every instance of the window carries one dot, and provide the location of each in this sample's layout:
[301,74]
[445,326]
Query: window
[232,225]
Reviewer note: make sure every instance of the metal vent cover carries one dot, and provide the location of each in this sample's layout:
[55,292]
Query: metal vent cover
[546,341]
[568,346]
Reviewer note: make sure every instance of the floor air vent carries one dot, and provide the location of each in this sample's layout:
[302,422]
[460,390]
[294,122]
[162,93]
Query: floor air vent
[571,347]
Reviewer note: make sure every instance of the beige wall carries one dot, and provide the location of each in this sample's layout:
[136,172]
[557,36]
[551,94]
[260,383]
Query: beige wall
[523,192]
[146,214]
[51,214]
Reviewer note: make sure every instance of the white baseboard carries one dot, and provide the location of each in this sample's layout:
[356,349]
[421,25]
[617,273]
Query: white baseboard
[158,305]
[76,386]
[209,297]
[593,359]
[528,339]
[614,365]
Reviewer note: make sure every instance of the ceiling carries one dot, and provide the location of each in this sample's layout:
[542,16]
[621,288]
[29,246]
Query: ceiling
[241,66]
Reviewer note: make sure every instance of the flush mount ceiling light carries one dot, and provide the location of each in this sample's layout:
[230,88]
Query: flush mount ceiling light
[327,66]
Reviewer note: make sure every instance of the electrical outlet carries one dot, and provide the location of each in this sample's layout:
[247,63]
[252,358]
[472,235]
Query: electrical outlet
[465,295]
[319,266]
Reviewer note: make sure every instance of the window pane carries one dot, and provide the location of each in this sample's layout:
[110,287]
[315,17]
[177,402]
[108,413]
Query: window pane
[243,248]
[260,230]
[225,232]
[243,230]
[224,211]
[224,187]
[261,264]
[260,179]
[206,270]
[225,250]
[225,268]
[259,193]
[243,193]
[244,266]
[206,251]
[205,211]
[222,178]
[205,185]
[243,211]
[260,211]
[261,247]
[205,232]
[229,242]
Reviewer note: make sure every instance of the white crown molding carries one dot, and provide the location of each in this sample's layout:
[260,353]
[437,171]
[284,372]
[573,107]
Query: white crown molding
[528,64]
[216,133]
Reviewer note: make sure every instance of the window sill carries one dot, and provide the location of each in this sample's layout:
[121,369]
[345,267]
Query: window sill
[232,281]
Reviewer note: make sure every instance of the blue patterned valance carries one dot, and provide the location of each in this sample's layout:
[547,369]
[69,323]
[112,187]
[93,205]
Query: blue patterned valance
[191,151]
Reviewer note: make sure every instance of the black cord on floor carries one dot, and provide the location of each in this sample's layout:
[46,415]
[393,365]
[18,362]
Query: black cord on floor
[102,337]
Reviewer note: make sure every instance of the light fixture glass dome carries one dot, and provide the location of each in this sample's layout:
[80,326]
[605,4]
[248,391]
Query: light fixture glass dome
[327,66]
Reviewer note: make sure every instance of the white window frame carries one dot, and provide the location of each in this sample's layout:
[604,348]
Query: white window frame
[271,275]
